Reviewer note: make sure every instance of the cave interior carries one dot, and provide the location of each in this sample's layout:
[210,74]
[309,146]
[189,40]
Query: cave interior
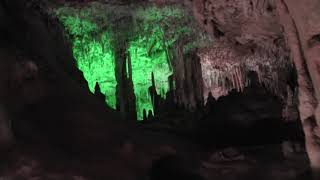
[159,89]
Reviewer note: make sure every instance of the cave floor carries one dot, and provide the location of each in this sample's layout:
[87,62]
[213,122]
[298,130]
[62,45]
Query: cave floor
[45,163]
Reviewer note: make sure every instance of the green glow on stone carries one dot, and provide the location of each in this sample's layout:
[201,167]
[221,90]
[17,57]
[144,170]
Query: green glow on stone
[94,54]
[149,56]
[155,31]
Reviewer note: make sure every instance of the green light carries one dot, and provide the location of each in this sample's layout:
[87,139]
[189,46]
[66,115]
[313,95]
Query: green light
[94,54]
[149,56]
[152,37]
[158,31]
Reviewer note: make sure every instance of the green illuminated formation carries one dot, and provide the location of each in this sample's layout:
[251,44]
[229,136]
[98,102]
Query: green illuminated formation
[151,47]
[92,48]
[149,56]
[150,52]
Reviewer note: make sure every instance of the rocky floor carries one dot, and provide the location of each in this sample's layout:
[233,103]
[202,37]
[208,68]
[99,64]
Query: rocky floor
[263,162]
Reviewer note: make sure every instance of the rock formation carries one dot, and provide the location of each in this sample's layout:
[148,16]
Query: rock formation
[257,23]
[195,78]
[40,81]
[302,28]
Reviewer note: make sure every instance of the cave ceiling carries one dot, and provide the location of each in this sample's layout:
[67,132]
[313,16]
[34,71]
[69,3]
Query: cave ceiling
[230,38]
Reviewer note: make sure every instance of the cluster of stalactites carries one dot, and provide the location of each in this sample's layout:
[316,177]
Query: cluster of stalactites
[219,82]
[226,68]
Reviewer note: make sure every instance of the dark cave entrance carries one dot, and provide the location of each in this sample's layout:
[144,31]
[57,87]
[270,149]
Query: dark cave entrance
[251,117]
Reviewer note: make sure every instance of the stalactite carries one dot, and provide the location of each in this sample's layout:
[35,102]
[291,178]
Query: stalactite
[101,37]
[94,57]
[224,68]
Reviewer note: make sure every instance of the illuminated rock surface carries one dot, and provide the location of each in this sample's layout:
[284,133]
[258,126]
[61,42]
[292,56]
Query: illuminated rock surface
[225,67]
[150,49]
[150,52]
[62,130]
[93,51]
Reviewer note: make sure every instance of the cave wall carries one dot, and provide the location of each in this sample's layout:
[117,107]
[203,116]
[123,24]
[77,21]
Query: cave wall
[46,96]
[257,23]
[250,24]
[300,21]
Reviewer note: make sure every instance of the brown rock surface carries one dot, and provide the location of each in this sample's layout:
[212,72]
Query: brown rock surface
[259,23]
